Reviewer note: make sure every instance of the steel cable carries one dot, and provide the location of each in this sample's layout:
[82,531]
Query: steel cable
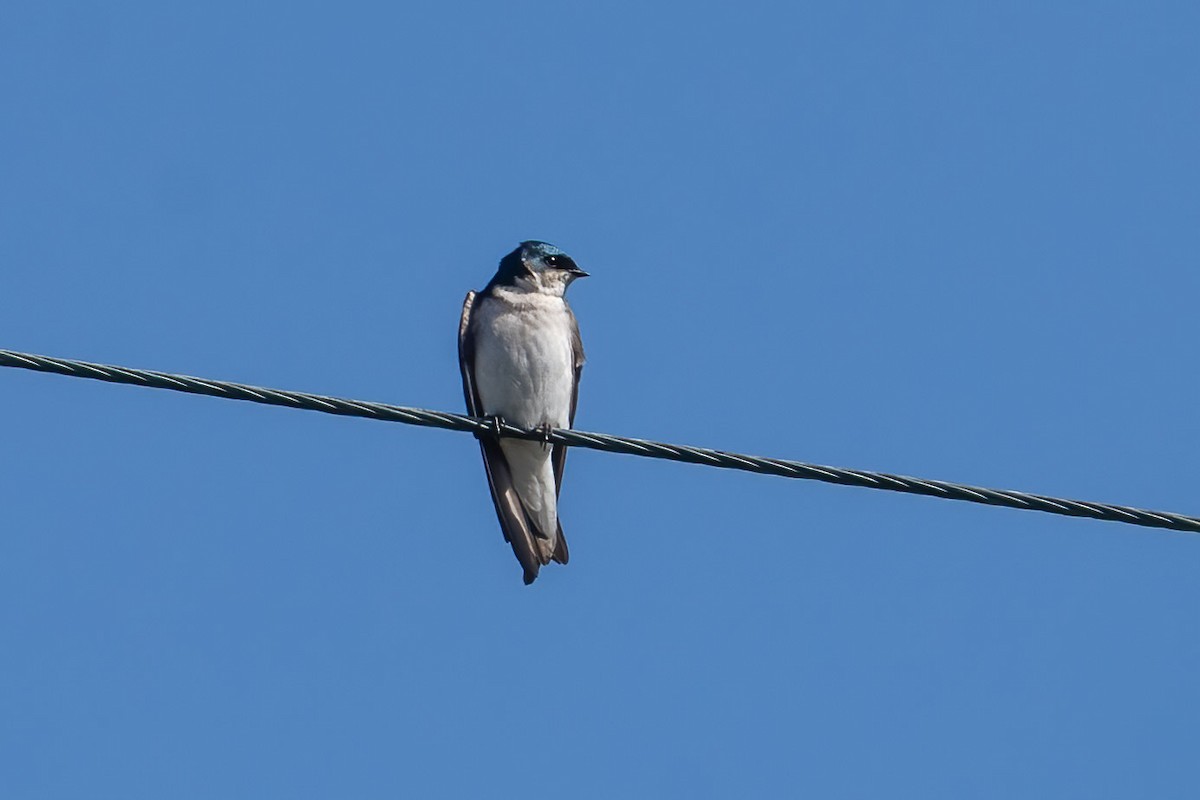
[601,441]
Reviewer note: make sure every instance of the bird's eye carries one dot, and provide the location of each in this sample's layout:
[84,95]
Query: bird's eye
[551,261]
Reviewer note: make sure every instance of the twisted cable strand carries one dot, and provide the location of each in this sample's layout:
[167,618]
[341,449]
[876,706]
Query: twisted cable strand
[602,441]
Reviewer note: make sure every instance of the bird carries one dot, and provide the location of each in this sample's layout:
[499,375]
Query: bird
[521,358]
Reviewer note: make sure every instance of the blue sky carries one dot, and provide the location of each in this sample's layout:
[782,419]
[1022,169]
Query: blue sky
[949,240]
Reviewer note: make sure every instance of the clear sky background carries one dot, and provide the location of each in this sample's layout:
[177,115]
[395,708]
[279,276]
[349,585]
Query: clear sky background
[949,240]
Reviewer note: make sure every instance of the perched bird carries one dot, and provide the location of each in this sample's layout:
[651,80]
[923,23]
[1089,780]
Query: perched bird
[521,358]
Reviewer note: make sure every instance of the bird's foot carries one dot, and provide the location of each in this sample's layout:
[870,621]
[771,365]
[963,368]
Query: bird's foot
[545,430]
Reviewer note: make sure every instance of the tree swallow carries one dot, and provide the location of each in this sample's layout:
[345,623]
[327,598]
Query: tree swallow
[521,357]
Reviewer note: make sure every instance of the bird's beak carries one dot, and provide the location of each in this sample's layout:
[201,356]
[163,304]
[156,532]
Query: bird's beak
[576,272]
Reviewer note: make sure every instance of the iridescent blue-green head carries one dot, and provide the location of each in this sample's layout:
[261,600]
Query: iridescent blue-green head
[537,267]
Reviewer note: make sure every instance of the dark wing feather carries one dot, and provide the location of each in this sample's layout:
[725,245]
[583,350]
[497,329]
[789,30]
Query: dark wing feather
[515,524]
[558,457]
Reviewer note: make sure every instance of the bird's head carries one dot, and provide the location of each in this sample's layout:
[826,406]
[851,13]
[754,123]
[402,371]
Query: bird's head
[538,267]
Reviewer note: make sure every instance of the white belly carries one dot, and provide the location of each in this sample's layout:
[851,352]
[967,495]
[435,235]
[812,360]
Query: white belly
[524,365]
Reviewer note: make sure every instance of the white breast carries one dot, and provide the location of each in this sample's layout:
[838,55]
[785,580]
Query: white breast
[524,365]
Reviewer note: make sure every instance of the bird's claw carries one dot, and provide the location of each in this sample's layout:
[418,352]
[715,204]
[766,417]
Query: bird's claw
[545,430]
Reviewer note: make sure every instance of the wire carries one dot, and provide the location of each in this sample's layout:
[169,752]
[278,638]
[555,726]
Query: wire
[601,441]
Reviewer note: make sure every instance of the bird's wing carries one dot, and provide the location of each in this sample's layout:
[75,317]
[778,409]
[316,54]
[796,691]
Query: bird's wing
[514,522]
[558,457]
